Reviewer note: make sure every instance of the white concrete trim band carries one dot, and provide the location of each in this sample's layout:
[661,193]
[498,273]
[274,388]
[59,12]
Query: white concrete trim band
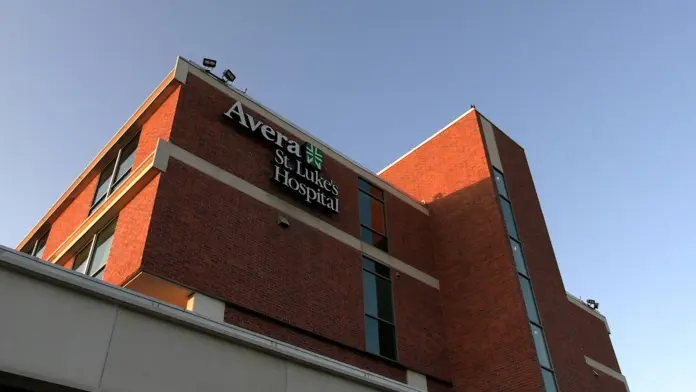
[165,150]
[573,299]
[32,266]
[606,370]
[184,67]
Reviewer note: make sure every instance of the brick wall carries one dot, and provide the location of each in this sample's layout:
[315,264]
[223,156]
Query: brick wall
[158,126]
[592,337]
[570,335]
[484,318]
[219,241]
[76,210]
[201,129]
[71,217]
[130,236]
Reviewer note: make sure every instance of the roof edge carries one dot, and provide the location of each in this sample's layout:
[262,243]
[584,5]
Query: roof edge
[427,140]
[297,131]
[151,99]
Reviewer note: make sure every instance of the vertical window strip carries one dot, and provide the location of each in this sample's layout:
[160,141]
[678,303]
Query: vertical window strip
[372,215]
[380,331]
[543,355]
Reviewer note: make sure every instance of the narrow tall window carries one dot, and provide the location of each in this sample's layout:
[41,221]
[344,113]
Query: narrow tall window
[115,172]
[91,260]
[525,284]
[380,333]
[36,248]
[372,218]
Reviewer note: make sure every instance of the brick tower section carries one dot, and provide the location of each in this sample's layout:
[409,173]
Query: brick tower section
[485,322]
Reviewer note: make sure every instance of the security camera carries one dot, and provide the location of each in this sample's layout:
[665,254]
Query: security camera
[283,222]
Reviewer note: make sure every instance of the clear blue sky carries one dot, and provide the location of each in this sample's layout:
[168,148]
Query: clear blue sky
[601,94]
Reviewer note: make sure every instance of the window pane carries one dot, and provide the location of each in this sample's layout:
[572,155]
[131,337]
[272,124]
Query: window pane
[378,297]
[371,213]
[102,248]
[500,182]
[365,204]
[380,338]
[103,184]
[80,262]
[384,300]
[40,246]
[529,299]
[370,293]
[549,382]
[127,157]
[374,239]
[40,250]
[517,255]
[368,264]
[540,345]
[387,340]
[376,267]
[368,188]
[509,220]
[371,335]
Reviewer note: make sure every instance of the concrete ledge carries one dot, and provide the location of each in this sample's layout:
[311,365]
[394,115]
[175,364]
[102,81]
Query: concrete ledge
[606,370]
[55,275]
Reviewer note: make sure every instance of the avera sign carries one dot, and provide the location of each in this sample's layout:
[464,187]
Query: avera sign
[298,169]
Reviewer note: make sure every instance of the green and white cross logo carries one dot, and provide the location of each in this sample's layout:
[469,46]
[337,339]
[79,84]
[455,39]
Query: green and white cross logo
[314,156]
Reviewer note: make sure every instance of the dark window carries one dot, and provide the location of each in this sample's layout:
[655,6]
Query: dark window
[549,382]
[380,338]
[36,248]
[372,218]
[376,267]
[114,173]
[80,262]
[103,185]
[372,238]
[500,183]
[380,333]
[509,218]
[540,344]
[126,161]
[517,255]
[91,260]
[102,249]
[40,246]
[529,300]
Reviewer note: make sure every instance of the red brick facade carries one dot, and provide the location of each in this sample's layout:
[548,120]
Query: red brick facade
[302,286]
[484,316]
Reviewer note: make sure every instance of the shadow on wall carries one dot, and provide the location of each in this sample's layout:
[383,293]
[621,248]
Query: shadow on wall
[484,316]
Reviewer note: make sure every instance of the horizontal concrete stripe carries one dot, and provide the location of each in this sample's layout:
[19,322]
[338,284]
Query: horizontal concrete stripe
[606,370]
[51,274]
[165,150]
